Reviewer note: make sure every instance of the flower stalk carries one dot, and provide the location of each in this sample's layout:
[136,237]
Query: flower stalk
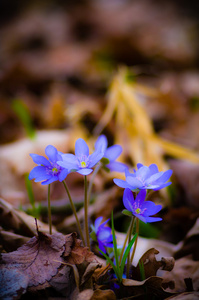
[86,227]
[74,212]
[136,240]
[49,212]
[129,239]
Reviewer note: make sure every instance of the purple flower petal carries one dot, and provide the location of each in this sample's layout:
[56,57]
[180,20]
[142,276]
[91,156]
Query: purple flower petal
[101,144]
[117,166]
[153,178]
[139,165]
[40,160]
[134,183]
[37,172]
[101,246]
[97,223]
[151,208]
[109,245]
[141,217]
[69,158]
[50,180]
[141,197]
[162,186]
[62,175]
[109,239]
[127,173]
[85,171]
[121,183]
[143,172]
[94,158]
[153,169]
[81,148]
[104,234]
[68,165]
[128,199]
[52,153]
[113,152]
[152,219]
[166,175]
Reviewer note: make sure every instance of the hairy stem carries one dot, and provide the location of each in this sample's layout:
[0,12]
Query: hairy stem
[129,239]
[49,211]
[92,180]
[74,212]
[86,227]
[135,244]
[124,245]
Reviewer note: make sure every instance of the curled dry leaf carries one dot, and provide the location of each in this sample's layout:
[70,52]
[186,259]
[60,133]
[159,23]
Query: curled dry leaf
[153,285]
[84,260]
[151,265]
[47,261]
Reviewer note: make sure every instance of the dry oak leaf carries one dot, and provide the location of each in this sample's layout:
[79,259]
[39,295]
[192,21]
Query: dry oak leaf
[39,259]
[46,261]
[34,266]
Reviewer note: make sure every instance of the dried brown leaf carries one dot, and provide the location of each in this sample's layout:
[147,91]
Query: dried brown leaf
[85,261]
[151,265]
[153,285]
[184,267]
[39,259]
[56,261]
[103,294]
[84,295]
[185,296]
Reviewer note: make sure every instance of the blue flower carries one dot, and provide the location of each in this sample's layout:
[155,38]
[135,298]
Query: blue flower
[81,162]
[102,234]
[48,170]
[110,154]
[145,178]
[140,208]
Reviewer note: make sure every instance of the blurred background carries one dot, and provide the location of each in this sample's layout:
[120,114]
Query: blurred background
[53,53]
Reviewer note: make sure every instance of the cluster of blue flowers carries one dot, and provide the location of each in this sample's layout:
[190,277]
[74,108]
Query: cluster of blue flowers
[59,165]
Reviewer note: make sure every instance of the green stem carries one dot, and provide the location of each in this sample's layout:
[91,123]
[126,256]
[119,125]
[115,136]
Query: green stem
[92,180]
[74,212]
[49,211]
[135,244]
[86,228]
[129,239]
[124,245]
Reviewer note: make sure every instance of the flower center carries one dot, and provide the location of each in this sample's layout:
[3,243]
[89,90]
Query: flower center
[83,164]
[138,210]
[55,170]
